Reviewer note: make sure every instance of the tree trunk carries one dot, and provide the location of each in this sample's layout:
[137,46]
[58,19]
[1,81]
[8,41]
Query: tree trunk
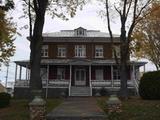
[35,56]
[123,64]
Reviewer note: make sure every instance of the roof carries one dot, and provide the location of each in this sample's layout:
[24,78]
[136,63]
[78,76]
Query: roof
[77,62]
[71,33]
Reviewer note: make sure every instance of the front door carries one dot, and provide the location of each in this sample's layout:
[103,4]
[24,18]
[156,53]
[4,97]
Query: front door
[80,77]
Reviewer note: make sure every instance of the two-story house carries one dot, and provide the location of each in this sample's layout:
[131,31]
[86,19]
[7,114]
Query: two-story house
[77,62]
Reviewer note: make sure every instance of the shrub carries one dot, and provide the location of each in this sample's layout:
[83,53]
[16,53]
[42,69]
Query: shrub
[149,87]
[4,99]
[103,92]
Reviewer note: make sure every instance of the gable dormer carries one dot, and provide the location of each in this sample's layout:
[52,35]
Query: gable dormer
[80,32]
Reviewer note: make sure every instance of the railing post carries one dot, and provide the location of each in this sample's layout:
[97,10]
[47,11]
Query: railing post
[70,77]
[16,73]
[20,72]
[90,82]
[26,72]
[112,76]
[47,81]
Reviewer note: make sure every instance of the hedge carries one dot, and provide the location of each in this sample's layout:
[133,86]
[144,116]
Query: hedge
[149,87]
[4,99]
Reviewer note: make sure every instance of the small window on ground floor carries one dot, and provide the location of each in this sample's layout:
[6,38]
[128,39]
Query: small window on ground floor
[116,73]
[99,74]
[43,73]
[60,73]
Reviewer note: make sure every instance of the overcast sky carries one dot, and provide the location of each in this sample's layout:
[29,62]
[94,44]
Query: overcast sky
[87,18]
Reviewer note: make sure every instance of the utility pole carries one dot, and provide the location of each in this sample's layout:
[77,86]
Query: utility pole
[7,75]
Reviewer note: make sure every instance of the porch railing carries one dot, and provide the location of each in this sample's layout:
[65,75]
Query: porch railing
[109,83]
[21,83]
[51,83]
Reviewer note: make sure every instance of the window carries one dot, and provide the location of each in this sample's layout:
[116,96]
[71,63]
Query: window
[60,73]
[61,51]
[43,73]
[98,51]
[116,73]
[44,52]
[117,49]
[99,74]
[80,51]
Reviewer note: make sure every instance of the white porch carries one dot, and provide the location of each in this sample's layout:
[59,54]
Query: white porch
[22,75]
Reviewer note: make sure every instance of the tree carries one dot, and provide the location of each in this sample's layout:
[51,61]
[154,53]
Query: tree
[37,10]
[129,12]
[146,36]
[7,32]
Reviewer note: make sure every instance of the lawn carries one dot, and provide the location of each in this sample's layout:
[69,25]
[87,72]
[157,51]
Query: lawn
[19,109]
[136,109]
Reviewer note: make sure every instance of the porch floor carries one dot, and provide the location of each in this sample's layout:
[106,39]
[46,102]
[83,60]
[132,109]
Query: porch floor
[77,108]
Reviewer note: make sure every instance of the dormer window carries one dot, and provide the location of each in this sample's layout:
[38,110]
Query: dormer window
[80,31]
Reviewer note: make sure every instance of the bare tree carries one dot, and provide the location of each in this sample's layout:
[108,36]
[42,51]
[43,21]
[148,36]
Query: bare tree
[129,12]
[36,10]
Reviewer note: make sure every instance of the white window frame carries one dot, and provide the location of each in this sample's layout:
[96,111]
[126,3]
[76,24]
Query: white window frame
[44,51]
[99,74]
[61,73]
[116,73]
[43,73]
[61,51]
[80,51]
[117,49]
[99,51]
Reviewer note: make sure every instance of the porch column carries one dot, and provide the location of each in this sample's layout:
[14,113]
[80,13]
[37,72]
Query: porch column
[16,73]
[112,76]
[90,83]
[26,72]
[70,77]
[47,81]
[20,72]
[133,72]
[144,68]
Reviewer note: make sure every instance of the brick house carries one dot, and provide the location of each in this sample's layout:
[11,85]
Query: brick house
[77,62]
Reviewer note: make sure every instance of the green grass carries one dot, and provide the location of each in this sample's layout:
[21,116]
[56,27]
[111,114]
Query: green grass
[19,109]
[135,109]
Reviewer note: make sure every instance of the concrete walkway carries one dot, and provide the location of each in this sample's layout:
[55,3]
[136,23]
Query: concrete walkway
[77,108]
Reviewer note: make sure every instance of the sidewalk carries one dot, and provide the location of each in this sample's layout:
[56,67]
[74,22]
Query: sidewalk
[77,108]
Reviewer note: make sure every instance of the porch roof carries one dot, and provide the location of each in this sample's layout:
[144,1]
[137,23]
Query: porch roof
[25,63]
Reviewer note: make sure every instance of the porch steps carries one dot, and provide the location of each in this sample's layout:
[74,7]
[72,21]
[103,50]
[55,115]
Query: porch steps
[80,91]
